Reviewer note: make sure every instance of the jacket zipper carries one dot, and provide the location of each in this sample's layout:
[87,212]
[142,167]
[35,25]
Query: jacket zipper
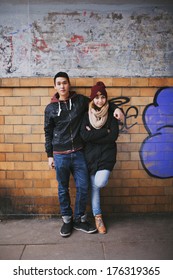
[71,134]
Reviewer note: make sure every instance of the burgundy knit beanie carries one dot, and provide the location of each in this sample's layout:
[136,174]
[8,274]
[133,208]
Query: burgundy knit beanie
[99,87]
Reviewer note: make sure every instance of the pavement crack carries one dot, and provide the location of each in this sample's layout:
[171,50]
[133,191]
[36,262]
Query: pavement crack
[103,248]
[22,252]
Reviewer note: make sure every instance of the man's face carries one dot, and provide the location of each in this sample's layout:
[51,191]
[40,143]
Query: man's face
[62,86]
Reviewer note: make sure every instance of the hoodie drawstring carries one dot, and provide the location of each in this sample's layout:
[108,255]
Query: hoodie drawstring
[59,107]
[70,104]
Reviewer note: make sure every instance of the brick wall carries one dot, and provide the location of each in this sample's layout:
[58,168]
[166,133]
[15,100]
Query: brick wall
[28,187]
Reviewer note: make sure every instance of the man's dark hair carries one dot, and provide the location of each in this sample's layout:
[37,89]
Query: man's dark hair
[61,74]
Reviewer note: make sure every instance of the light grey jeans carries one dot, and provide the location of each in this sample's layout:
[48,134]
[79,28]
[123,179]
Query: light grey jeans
[98,181]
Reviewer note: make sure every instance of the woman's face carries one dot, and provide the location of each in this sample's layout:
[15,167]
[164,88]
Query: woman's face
[99,100]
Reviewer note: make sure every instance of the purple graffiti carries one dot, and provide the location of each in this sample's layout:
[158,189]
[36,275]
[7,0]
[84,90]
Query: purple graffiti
[156,151]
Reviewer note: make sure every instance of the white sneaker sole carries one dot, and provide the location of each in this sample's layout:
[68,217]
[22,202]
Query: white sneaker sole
[86,231]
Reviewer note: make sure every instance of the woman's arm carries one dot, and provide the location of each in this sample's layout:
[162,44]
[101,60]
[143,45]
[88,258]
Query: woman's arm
[92,134]
[112,136]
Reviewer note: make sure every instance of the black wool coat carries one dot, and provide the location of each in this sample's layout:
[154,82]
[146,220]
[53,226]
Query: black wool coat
[100,146]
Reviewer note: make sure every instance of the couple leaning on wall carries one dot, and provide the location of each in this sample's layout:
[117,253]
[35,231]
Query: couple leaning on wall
[80,139]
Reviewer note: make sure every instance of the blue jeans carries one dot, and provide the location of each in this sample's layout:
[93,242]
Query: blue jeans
[98,181]
[73,163]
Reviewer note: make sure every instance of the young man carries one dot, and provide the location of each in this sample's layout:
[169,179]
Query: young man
[64,148]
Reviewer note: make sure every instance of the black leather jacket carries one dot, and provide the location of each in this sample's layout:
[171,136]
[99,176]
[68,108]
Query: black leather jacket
[62,123]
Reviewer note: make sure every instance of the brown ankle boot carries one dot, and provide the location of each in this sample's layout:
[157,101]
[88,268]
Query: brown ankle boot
[100,224]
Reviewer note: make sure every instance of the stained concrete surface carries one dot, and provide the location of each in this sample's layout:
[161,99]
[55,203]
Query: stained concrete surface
[129,237]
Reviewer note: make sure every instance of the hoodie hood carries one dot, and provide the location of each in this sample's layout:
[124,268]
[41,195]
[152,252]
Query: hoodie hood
[55,99]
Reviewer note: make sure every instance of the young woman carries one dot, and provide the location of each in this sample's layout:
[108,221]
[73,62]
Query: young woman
[99,131]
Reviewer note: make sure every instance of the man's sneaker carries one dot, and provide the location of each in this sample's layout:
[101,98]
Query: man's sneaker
[84,226]
[66,228]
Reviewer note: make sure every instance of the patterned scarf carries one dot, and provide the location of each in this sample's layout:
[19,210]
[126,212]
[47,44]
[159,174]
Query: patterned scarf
[98,118]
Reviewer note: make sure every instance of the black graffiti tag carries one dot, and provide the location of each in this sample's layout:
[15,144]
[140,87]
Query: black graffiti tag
[131,112]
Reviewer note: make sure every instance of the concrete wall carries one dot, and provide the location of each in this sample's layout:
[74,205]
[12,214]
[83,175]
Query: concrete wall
[86,38]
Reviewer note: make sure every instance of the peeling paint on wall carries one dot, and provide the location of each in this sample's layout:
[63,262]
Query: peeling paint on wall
[137,42]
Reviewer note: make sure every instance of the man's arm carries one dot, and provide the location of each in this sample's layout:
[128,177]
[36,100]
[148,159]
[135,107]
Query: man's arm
[118,114]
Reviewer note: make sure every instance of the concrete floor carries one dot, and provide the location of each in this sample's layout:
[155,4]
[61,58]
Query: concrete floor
[129,237]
